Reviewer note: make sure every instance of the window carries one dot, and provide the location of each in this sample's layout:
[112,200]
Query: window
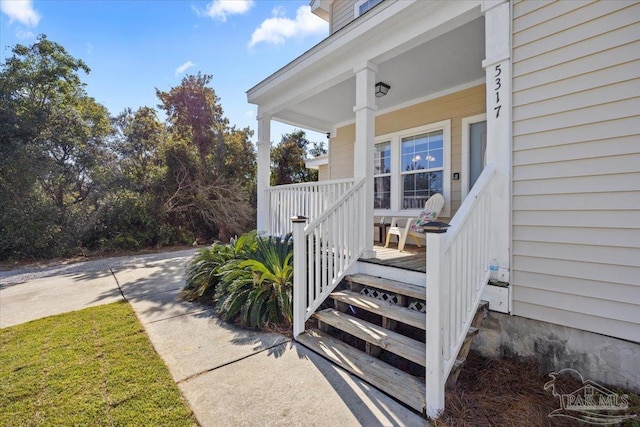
[421,170]
[410,166]
[363,6]
[474,145]
[382,176]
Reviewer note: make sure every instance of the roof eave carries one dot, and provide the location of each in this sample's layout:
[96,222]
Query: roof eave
[326,47]
[321,8]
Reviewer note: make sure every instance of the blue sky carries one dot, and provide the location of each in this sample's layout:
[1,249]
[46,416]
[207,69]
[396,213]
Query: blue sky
[133,47]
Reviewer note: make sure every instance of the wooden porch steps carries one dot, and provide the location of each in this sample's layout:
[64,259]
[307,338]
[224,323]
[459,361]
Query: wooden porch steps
[398,384]
[383,308]
[413,291]
[386,339]
[373,314]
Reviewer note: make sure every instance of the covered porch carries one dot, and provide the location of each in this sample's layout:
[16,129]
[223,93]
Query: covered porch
[446,65]
[436,80]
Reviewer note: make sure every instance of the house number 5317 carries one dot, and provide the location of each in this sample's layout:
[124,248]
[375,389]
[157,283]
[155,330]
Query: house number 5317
[497,90]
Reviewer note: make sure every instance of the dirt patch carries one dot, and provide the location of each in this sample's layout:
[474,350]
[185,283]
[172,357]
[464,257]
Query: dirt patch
[493,392]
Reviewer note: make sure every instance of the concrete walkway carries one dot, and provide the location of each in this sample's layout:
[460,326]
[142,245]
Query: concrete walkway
[230,376]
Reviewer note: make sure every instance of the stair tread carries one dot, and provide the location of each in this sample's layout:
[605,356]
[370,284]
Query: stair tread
[389,285]
[383,308]
[402,386]
[386,339]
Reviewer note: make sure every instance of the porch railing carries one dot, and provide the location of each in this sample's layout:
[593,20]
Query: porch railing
[309,199]
[324,250]
[457,271]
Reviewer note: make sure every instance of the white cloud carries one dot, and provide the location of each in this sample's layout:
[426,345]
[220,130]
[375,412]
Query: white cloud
[220,9]
[279,28]
[24,35]
[21,11]
[184,67]
[250,113]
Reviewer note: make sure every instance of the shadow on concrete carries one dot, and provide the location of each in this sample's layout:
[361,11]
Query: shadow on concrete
[8,285]
[182,330]
[153,286]
[358,395]
[67,268]
[76,277]
[270,342]
[261,341]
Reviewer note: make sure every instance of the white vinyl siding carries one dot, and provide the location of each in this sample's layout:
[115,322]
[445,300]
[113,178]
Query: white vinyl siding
[576,164]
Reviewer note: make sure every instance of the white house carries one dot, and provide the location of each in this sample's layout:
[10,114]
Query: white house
[525,115]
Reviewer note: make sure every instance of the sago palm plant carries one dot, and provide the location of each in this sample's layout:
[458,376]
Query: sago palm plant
[203,270]
[257,291]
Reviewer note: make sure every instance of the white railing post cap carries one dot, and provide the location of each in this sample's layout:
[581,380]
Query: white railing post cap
[299,218]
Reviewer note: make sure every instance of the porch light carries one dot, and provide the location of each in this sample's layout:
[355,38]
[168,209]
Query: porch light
[382,89]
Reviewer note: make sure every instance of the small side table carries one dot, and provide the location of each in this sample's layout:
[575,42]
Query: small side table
[382,227]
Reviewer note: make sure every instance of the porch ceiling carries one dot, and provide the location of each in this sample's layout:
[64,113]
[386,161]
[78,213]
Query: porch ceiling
[450,60]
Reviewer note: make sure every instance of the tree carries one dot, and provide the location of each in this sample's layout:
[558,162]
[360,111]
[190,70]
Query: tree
[240,160]
[72,178]
[138,139]
[52,142]
[130,213]
[193,111]
[209,163]
[288,159]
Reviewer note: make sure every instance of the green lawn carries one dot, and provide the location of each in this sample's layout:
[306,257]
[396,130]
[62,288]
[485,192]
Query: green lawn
[90,367]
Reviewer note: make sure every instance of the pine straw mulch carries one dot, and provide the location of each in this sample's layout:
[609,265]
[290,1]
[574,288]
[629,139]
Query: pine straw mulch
[497,392]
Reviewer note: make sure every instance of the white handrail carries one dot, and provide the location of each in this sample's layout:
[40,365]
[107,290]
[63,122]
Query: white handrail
[323,252]
[457,271]
[308,199]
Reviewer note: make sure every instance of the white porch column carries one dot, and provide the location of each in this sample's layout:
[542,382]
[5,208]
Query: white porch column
[365,109]
[264,171]
[497,65]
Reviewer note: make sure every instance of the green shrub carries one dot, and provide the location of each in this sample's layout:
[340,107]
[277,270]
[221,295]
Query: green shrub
[126,243]
[204,269]
[257,291]
[251,280]
[127,221]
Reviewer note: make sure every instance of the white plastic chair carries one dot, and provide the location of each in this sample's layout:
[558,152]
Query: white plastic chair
[432,208]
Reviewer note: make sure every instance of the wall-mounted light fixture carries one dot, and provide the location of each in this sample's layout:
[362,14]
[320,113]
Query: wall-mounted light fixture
[382,89]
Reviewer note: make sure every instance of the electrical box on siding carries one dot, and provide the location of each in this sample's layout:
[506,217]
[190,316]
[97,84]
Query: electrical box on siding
[498,297]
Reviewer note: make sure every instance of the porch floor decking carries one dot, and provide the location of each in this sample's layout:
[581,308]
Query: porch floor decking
[412,258]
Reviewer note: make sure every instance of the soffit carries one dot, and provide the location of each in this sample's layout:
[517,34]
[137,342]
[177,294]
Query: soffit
[448,61]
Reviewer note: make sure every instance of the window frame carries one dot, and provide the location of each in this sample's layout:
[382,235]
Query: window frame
[466,142]
[386,174]
[356,7]
[396,172]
